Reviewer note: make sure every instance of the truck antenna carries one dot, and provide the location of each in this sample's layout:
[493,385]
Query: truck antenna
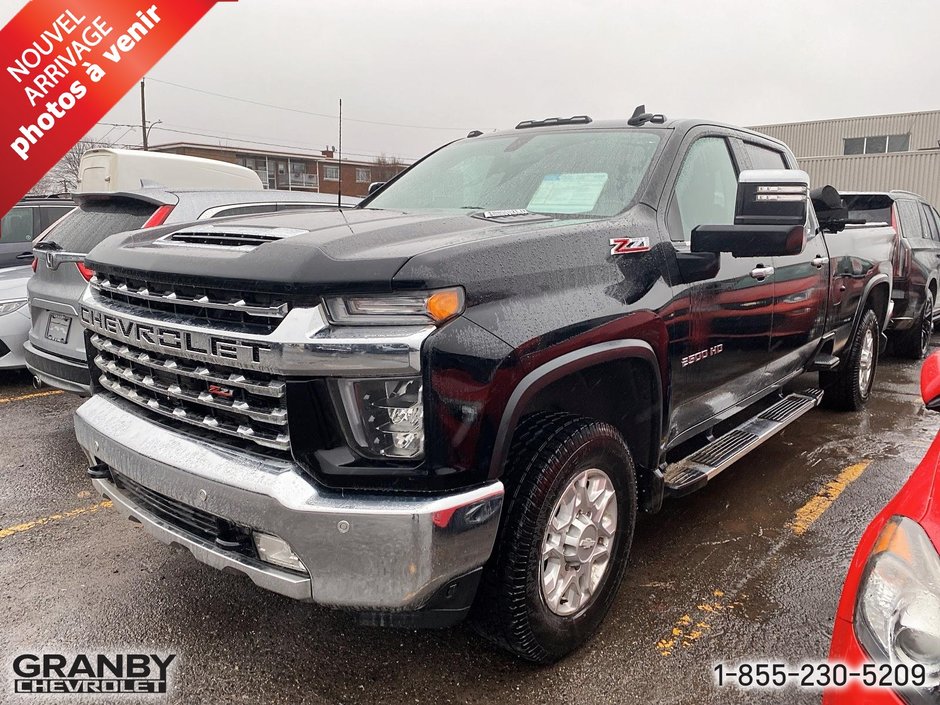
[339,189]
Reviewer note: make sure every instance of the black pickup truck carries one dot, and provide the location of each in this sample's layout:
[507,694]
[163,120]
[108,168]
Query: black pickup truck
[916,263]
[456,398]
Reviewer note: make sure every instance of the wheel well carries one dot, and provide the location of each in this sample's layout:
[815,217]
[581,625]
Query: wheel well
[878,302]
[623,393]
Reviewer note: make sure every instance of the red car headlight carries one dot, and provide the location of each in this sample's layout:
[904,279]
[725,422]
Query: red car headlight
[897,616]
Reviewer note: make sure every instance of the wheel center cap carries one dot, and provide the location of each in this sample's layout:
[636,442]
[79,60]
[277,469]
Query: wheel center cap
[584,542]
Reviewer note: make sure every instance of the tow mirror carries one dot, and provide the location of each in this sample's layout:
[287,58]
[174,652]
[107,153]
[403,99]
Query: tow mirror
[375,186]
[930,382]
[770,217]
[831,210]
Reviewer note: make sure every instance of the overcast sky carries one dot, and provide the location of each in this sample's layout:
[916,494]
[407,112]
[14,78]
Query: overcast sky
[487,64]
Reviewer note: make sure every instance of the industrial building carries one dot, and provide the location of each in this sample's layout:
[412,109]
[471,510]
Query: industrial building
[875,153]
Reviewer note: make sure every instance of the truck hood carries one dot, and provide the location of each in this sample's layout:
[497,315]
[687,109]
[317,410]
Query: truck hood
[330,250]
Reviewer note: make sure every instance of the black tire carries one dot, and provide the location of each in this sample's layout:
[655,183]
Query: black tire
[914,342]
[845,389]
[549,451]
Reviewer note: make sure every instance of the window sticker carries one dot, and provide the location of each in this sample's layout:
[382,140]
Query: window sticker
[568,193]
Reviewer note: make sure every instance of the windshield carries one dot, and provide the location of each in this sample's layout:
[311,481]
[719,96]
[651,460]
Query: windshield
[584,173]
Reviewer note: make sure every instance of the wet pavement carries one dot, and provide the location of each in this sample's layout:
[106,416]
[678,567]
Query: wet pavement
[746,569]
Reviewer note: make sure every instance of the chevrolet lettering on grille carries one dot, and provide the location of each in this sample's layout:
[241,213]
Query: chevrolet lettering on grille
[195,344]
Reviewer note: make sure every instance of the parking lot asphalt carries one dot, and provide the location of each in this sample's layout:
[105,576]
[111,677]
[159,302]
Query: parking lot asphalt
[749,568]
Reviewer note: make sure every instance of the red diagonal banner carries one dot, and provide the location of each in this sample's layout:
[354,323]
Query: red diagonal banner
[64,64]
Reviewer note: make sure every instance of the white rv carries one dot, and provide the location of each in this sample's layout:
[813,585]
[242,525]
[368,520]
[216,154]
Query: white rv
[115,170]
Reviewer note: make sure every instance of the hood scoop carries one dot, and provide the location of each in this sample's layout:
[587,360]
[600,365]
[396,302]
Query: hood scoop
[229,237]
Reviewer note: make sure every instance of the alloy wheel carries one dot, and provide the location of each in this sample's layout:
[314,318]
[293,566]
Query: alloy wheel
[578,542]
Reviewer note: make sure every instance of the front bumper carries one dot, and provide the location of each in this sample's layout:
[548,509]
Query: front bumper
[370,552]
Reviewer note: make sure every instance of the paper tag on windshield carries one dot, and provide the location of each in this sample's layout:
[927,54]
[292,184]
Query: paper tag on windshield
[568,193]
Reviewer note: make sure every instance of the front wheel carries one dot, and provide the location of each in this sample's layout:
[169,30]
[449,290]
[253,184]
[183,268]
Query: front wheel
[564,540]
[849,387]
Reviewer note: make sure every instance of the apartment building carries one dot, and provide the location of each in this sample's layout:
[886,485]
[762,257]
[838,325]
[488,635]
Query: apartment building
[321,172]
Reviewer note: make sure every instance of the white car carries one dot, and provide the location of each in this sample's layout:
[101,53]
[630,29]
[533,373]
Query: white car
[14,316]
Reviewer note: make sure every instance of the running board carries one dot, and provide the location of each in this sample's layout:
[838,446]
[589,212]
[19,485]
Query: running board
[693,472]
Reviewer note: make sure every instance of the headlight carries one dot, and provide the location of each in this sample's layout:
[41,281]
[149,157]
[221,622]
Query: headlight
[386,416]
[11,306]
[897,618]
[420,308]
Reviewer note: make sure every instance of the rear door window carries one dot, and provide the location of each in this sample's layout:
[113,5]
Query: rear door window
[50,214]
[94,221]
[934,216]
[764,157]
[18,225]
[911,224]
[931,223]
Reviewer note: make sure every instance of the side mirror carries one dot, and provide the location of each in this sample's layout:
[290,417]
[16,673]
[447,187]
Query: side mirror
[930,382]
[375,186]
[770,217]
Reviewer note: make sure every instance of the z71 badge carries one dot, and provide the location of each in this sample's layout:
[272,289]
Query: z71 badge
[629,245]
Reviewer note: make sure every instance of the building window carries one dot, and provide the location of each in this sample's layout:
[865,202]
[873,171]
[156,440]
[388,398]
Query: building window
[363,176]
[331,173]
[854,145]
[877,144]
[899,143]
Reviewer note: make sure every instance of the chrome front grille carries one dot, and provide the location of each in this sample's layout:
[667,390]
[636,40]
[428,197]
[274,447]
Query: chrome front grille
[258,312]
[225,400]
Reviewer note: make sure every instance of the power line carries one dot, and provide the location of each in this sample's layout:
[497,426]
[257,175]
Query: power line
[216,135]
[307,112]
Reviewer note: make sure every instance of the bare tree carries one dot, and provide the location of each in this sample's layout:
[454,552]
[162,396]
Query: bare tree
[385,168]
[63,177]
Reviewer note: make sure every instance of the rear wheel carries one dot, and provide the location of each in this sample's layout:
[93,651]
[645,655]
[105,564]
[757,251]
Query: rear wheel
[849,387]
[914,342]
[564,539]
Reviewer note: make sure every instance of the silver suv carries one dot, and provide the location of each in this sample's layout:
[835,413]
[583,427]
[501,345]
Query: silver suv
[55,351]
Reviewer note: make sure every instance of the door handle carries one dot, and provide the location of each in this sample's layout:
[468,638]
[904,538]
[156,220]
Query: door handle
[818,261]
[761,273]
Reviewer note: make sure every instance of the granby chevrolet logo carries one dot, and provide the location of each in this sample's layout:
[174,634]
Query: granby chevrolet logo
[197,345]
[112,674]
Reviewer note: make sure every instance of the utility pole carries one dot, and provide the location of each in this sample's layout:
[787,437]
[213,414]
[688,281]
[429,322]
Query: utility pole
[339,190]
[143,113]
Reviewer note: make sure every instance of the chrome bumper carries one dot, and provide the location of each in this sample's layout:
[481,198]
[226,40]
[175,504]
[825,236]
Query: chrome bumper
[362,551]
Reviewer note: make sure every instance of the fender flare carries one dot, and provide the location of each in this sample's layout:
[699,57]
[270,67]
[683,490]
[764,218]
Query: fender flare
[561,367]
[863,302]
